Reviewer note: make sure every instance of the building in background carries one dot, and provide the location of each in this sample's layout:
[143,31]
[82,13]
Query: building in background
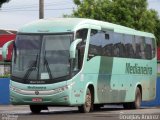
[5,36]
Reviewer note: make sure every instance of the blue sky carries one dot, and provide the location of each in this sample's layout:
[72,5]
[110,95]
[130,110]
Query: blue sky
[19,12]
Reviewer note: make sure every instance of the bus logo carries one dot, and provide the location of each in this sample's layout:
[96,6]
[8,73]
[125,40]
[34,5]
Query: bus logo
[136,69]
[37,92]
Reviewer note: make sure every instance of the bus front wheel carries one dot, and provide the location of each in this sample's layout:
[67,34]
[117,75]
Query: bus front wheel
[98,106]
[88,105]
[35,109]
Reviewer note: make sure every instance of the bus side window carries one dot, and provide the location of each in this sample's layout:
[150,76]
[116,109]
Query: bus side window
[81,34]
[118,49]
[107,44]
[140,47]
[148,48]
[148,51]
[95,44]
[143,45]
[153,47]
[129,46]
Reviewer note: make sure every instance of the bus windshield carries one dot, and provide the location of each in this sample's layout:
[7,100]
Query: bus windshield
[41,58]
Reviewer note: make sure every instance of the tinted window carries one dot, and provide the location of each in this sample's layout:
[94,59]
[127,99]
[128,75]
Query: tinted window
[81,34]
[118,49]
[153,47]
[148,48]
[95,43]
[140,47]
[129,46]
[107,43]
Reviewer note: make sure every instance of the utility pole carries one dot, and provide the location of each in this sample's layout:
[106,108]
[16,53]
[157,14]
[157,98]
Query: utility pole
[41,9]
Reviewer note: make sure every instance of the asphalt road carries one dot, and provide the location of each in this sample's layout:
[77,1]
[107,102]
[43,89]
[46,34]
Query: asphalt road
[71,113]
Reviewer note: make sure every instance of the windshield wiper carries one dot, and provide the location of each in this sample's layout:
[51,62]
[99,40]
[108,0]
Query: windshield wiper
[31,68]
[47,66]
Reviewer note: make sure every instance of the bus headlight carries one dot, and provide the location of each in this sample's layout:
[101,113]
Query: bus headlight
[61,89]
[12,88]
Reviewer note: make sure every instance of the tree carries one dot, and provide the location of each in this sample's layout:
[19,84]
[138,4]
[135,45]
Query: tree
[157,32]
[3,1]
[130,13]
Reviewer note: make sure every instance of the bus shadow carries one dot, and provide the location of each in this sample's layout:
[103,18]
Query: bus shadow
[75,111]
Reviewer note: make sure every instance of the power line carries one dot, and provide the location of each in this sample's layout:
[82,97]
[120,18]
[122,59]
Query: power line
[33,7]
[37,10]
[36,5]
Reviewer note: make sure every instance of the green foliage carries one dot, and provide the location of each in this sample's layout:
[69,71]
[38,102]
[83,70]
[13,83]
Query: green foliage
[130,13]
[157,32]
[5,76]
[3,1]
[77,2]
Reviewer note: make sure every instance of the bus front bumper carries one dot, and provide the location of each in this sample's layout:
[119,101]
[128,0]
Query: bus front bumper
[39,97]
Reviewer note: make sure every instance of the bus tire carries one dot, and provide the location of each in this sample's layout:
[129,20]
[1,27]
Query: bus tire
[127,105]
[137,103]
[97,107]
[88,105]
[138,99]
[35,109]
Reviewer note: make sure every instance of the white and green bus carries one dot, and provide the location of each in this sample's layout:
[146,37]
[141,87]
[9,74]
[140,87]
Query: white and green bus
[81,62]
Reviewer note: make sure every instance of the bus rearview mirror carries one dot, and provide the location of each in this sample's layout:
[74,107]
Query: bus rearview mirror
[5,49]
[73,48]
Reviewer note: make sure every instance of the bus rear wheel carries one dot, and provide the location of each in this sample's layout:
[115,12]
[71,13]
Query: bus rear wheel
[137,103]
[138,99]
[88,105]
[127,105]
[35,109]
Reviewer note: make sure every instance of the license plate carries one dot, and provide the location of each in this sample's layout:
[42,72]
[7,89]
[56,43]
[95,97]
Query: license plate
[37,100]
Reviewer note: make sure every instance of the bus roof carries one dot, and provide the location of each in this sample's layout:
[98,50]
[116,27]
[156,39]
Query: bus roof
[58,25]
